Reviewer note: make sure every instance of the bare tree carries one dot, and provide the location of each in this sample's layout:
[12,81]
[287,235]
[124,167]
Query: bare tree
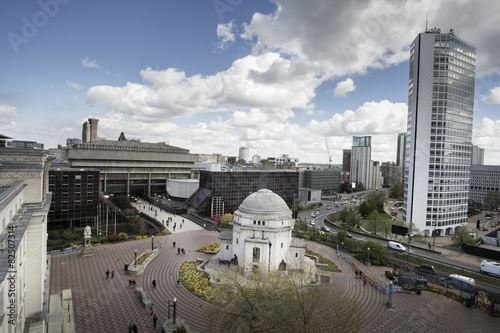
[281,302]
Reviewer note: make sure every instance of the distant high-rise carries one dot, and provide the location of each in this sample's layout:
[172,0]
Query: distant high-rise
[346,160]
[477,156]
[438,147]
[89,130]
[244,154]
[361,154]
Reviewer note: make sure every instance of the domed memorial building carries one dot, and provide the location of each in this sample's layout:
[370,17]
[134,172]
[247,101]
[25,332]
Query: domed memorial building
[262,235]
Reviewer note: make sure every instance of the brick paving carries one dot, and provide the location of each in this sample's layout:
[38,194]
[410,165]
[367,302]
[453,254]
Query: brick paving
[108,305]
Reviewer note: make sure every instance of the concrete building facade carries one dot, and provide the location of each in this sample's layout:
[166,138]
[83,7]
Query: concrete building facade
[24,205]
[132,167]
[483,179]
[440,115]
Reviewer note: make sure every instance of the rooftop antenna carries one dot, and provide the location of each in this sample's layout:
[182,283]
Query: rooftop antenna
[426,21]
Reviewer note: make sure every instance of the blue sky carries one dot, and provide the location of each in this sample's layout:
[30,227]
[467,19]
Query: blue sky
[211,76]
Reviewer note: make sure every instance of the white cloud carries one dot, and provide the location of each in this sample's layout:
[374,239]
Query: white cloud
[485,135]
[74,85]
[371,118]
[344,87]
[264,81]
[344,37]
[90,64]
[7,113]
[493,97]
[225,34]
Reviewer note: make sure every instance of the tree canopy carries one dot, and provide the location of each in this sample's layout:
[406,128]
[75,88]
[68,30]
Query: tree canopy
[396,191]
[349,216]
[366,208]
[378,198]
[461,236]
[281,302]
[121,201]
[492,200]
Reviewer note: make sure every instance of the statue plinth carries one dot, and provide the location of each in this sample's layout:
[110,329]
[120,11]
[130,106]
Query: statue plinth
[88,249]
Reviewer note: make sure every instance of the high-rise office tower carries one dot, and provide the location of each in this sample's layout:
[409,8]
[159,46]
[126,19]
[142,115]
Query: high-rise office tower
[361,154]
[477,157]
[244,154]
[438,148]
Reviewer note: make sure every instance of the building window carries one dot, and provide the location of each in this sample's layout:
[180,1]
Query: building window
[281,245]
[263,222]
[296,255]
[236,240]
[227,247]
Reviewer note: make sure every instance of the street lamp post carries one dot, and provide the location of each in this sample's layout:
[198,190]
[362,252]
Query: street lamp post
[408,255]
[152,242]
[174,305]
[135,255]
[368,257]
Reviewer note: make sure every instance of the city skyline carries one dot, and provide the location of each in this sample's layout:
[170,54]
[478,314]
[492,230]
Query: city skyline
[276,77]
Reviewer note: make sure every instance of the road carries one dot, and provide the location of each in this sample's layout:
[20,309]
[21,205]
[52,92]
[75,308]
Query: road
[323,212]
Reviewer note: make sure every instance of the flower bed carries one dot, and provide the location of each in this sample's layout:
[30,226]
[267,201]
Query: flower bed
[142,258]
[212,248]
[411,287]
[195,282]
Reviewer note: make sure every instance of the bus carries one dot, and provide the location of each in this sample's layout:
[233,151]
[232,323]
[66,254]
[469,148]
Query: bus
[460,282]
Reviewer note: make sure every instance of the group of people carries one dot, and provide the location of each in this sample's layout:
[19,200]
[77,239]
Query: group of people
[112,274]
[131,284]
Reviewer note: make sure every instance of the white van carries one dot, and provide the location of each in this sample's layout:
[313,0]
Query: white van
[490,267]
[396,246]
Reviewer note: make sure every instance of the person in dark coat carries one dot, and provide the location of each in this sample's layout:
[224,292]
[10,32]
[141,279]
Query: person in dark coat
[155,319]
[134,328]
[154,283]
[107,273]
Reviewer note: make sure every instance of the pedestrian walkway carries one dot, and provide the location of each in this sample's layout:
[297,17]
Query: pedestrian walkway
[181,223]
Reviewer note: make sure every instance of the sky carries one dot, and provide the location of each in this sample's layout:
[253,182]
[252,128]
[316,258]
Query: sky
[277,76]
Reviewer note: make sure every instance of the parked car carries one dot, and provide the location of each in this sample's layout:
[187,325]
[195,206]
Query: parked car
[329,207]
[348,234]
[325,229]
[396,246]
[312,223]
[426,268]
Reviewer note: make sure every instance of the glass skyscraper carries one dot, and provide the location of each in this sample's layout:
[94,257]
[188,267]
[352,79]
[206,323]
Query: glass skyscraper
[439,132]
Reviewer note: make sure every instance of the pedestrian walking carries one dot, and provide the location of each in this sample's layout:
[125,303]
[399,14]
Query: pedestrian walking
[178,282]
[360,274]
[133,284]
[155,319]
[113,274]
[154,283]
[178,250]
[130,328]
[180,227]
[175,225]
[183,251]
[152,308]
[364,282]
[107,273]
[174,245]
[134,328]
[356,274]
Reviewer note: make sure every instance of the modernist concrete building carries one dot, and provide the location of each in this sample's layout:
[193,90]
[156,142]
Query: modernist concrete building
[361,154]
[24,204]
[346,160]
[223,192]
[327,180]
[244,154]
[132,167]
[262,235]
[440,114]
[483,179]
[401,153]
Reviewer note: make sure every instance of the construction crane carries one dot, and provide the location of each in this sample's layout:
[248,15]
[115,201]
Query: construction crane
[329,156]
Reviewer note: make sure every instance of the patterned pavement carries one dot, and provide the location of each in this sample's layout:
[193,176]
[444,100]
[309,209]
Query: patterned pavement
[108,305]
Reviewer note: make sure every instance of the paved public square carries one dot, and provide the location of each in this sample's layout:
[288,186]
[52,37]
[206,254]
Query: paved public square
[108,304]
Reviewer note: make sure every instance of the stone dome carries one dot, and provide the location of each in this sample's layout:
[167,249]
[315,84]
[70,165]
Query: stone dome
[264,203]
